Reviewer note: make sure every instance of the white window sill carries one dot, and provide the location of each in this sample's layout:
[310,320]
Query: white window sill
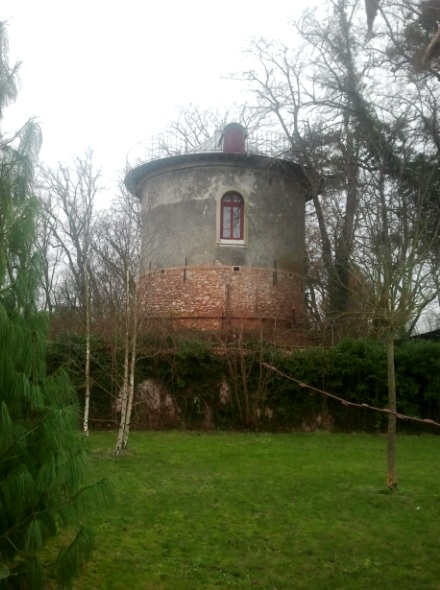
[241,243]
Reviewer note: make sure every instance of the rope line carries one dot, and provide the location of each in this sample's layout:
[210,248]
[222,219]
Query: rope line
[347,403]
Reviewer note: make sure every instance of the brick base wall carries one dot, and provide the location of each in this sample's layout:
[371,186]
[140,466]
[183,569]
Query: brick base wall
[217,297]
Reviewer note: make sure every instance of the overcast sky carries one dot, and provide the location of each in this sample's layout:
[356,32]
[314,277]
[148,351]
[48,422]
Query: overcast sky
[109,74]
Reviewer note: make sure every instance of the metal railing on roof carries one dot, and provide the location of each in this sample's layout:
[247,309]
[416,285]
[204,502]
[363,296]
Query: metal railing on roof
[163,145]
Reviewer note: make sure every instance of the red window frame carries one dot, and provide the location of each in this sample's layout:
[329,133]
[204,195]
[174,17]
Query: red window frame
[232,217]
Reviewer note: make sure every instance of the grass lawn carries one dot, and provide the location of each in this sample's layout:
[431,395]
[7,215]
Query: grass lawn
[266,511]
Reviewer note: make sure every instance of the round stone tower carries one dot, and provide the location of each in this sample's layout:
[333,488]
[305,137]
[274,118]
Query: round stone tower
[222,237]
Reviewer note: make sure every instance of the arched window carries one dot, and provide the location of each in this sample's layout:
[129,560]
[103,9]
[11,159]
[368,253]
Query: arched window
[232,217]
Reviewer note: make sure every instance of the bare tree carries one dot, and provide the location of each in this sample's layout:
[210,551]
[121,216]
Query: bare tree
[71,192]
[50,255]
[247,374]
[191,128]
[117,248]
[361,118]
[399,280]
[312,93]
[194,125]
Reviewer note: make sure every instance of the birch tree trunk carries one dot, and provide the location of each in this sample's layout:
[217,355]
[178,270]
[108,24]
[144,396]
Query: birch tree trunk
[124,396]
[132,370]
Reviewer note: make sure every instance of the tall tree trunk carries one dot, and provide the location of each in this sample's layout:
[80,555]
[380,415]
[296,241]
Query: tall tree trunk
[392,420]
[87,367]
[340,289]
[132,371]
[124,396]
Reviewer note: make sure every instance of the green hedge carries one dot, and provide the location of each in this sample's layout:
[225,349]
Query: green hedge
[192,372]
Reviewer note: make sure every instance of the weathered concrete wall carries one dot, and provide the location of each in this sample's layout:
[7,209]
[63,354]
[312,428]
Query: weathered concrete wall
[181,216]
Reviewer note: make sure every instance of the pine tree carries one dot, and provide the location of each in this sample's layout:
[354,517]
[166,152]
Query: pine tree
[43,463]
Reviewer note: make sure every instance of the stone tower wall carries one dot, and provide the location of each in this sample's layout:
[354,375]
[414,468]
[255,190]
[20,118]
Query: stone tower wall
[217,297]
[190,276]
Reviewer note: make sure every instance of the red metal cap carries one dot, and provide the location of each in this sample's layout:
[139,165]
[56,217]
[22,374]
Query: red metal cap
[234,138]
